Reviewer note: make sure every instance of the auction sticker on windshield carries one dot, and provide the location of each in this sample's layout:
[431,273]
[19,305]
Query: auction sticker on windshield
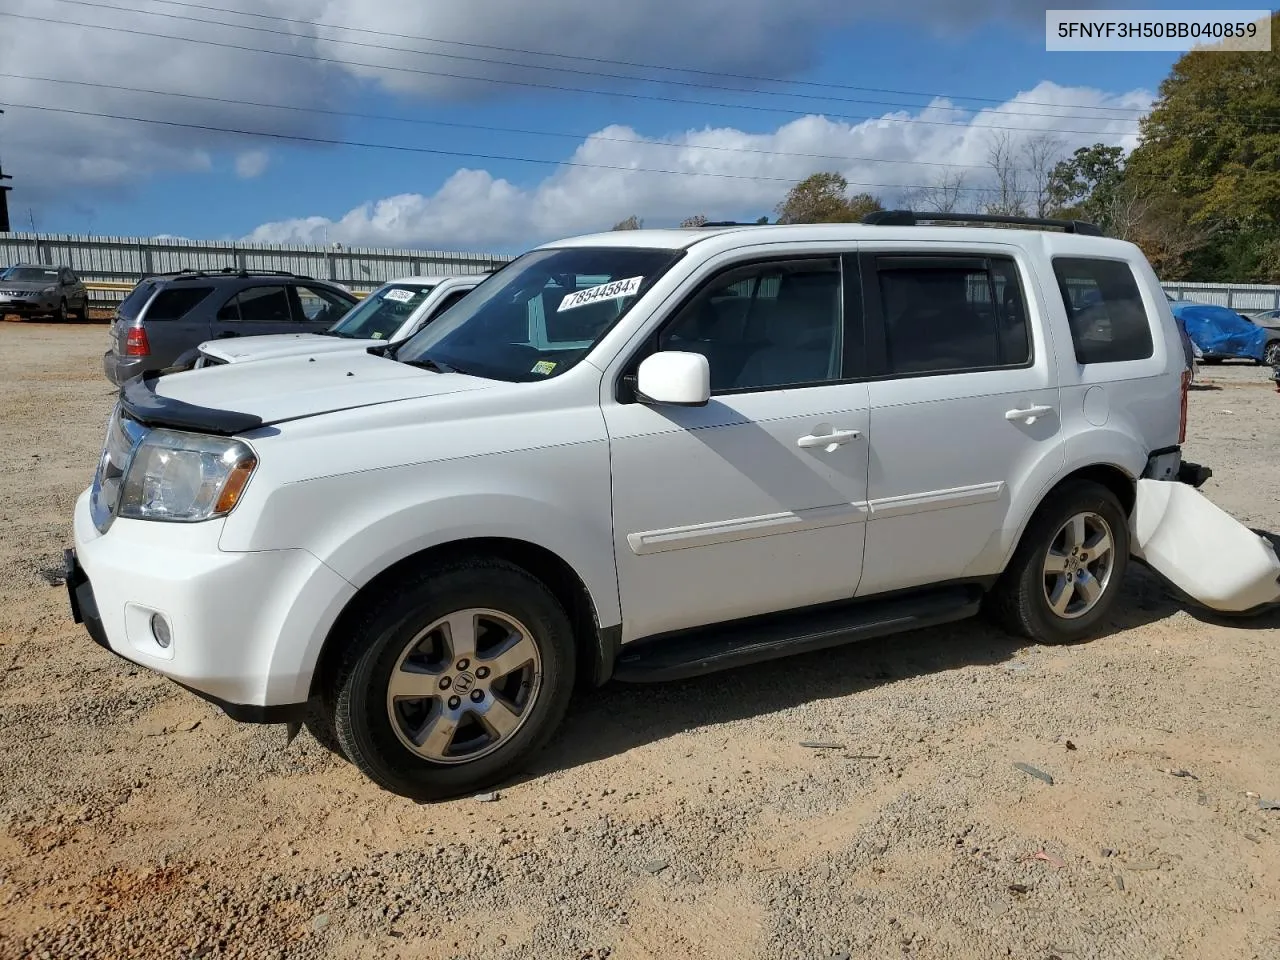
[399,296]
[605,291]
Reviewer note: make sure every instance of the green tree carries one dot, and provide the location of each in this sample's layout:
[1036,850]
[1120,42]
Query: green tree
[823,198]
[1210,153]
[697,220]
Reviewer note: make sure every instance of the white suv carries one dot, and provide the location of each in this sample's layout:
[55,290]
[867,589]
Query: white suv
[394,312]
[642,455]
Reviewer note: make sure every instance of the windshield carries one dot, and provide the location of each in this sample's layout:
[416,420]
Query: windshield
[539,315]
[30,275]
[379,315]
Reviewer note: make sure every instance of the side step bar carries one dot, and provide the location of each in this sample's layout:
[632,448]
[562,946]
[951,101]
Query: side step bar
[693,653]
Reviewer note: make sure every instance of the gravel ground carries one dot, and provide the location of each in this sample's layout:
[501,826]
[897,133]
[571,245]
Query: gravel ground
[683,820]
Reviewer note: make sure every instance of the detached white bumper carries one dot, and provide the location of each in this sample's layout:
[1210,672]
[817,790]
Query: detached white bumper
[246,628]
[1202,550]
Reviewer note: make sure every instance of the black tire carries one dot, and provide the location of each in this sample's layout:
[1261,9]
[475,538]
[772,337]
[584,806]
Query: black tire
[1271,354]
[1019,601]
[62,315]
[319,723]
[82,313]
[378,640]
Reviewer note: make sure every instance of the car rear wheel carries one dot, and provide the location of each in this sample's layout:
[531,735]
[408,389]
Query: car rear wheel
[1064,578]
[454,679]
[1271,356]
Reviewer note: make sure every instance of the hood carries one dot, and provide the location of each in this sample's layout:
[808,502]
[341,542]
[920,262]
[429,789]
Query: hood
[240,397]
[270,346]
[27,286]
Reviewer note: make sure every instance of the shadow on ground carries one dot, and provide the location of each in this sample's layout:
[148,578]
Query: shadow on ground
[619,717]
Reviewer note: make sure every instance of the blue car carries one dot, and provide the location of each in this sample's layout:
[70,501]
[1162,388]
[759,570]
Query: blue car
[1222,334]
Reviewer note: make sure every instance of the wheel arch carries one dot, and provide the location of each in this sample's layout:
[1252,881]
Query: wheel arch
[595,645]
[1120,480]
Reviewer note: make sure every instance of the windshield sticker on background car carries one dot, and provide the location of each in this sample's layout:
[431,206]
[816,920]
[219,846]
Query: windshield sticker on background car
[544,367]
[606,291]
[377,335]
[399,296]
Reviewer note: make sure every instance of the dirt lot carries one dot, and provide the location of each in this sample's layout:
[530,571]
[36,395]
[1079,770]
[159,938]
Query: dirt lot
[678,821]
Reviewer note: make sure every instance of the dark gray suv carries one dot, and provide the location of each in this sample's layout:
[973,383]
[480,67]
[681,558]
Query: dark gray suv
[166,315]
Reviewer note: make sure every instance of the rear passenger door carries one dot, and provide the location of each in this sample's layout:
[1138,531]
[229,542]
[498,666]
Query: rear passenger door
[964,411]
[254,311]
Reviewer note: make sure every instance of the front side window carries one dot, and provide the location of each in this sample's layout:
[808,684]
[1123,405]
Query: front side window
[379,315]
[257,305]
[318,305]
[539,315]
[1109,323]
[766,326]
[952,314]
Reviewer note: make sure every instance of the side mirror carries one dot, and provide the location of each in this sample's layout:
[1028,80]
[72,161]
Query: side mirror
[674,377]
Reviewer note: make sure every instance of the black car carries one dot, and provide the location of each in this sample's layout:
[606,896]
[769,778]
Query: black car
[39,289]
[166,315]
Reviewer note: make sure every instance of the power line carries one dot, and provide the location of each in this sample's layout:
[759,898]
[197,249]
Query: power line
[820,98]
[754,78]
[491,129]
[435,151]
[542,86]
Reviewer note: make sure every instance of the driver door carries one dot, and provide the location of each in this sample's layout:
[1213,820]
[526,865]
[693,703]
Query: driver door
[739,508]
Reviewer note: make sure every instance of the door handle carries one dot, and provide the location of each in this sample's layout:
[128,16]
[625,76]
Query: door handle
[828,440]
[1028,414]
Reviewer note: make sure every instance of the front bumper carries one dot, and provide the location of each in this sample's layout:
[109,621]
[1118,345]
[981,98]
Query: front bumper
[246,628]
[28,307]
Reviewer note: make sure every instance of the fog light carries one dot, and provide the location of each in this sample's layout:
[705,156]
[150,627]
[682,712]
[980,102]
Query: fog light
[160,630]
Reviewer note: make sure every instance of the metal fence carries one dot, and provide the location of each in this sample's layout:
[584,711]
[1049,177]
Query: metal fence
[118,260]
[126,260]
[1243,297]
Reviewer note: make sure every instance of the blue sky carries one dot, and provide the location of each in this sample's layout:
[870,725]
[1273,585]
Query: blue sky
[89,174]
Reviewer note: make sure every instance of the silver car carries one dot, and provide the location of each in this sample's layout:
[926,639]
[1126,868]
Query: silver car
[33,290]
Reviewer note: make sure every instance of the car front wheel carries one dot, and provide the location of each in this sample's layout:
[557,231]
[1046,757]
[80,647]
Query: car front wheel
[1271,356]
[1064,578]
[454,680]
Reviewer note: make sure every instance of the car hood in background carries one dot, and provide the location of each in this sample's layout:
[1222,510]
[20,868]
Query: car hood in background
[25,286]
[270,346]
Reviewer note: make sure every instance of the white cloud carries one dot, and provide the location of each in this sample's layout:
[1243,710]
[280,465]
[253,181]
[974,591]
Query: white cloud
[63,158]
[473,209]
[252,163]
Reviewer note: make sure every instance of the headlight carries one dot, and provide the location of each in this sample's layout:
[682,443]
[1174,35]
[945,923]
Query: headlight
[49,290]
[186,477]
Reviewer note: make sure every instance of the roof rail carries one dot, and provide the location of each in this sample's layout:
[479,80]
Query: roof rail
[724,223]
[909,218]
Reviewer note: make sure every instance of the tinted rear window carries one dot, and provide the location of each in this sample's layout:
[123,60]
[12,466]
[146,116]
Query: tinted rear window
[1109,323]
[174,303]
[132,305]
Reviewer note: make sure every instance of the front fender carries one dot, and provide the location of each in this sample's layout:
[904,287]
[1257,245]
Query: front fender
[359,524]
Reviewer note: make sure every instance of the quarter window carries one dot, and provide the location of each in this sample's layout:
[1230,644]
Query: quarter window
[952,314]
[174,303]
[766,326]
[1109,323]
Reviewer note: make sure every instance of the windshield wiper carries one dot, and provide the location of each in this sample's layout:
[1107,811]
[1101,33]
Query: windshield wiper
[333,333]
[428,364]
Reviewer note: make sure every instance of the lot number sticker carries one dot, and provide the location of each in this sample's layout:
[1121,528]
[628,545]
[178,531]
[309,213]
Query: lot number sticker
[606,291]
[399,296]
